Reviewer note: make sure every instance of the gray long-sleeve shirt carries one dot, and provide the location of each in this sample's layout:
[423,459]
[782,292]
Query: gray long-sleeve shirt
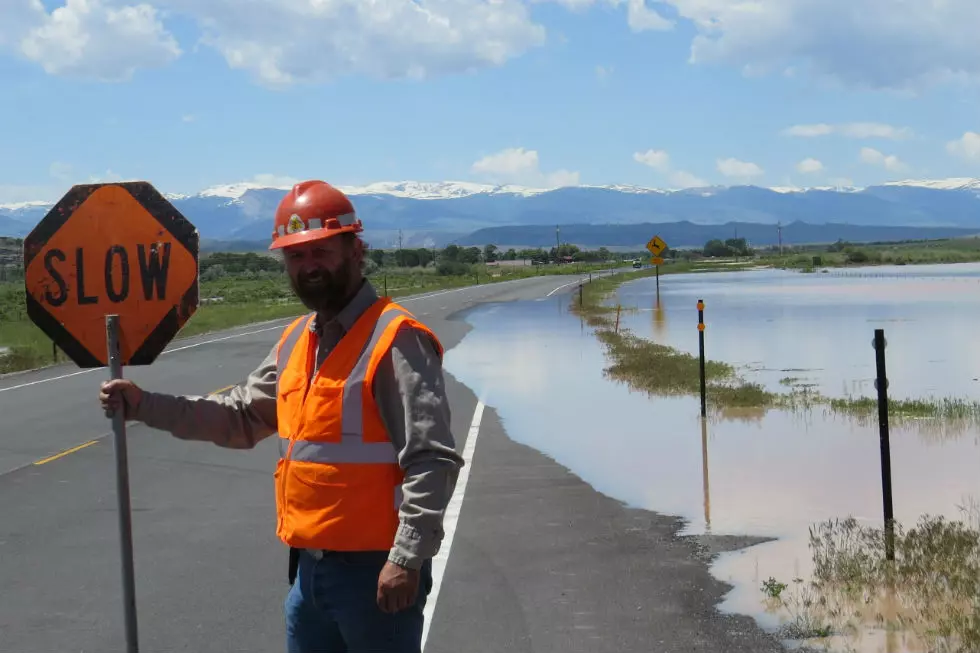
[410,393]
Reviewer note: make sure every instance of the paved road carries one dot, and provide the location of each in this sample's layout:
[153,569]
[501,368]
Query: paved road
[538,560]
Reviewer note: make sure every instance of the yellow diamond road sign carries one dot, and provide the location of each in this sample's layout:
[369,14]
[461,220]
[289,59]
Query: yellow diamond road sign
[656,245]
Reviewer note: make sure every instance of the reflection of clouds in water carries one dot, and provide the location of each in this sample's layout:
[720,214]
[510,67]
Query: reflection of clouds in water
[832,292]
[771,473]
[522,370]
[769,469]
[782,324]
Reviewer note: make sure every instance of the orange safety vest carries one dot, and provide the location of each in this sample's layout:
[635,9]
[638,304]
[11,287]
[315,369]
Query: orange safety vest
[338,482]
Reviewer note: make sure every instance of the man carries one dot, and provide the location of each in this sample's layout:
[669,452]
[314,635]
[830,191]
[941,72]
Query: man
[367,460]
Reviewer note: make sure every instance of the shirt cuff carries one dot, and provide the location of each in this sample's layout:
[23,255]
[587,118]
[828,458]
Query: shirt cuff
[411,549]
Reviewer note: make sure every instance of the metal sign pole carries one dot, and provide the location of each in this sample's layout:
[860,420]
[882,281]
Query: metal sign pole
[122,492]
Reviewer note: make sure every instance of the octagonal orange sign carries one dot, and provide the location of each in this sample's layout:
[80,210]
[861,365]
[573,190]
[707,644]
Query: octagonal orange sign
[112,249]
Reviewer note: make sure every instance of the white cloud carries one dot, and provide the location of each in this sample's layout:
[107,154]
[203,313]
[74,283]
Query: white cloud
[603,71]
[281,42]
[572,5]
[966,147]
[809,166]
[742,170]
[873,157]
[656,159]
[267,180]
[108,176]
[860,130]
[874,43]
[659,160]
[278,42]
[93,38]
[639,16]
[19,16]
[60,171]
[685,179]
[516,165]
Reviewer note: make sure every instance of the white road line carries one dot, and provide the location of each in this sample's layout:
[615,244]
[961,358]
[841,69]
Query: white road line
[450,521]
[168,351]
[444,292]
[564,286]
[232,336]
[248,333]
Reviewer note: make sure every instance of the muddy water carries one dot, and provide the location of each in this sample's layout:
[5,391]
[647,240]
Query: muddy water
[758,473]
[817,328]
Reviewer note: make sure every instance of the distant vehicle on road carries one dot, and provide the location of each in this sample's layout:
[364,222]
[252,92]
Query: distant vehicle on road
[637,264]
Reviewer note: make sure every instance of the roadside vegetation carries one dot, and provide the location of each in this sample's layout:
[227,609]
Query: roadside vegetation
[840,254]
[929,596]
[844,254]
[239,288]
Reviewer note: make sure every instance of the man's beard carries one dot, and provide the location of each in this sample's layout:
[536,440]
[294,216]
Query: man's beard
[323,291]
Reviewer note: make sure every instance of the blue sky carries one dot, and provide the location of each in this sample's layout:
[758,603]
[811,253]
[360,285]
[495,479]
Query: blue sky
[193,93]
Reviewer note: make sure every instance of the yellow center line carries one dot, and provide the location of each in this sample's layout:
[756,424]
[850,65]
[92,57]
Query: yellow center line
[66,452]
[91,442]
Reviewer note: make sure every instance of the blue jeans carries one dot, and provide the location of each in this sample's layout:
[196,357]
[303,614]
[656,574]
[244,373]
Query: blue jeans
[332,607]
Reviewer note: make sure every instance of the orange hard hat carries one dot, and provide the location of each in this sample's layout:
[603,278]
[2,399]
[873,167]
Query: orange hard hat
[313,210]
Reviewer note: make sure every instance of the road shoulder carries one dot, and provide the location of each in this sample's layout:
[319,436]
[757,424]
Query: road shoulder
[543,562]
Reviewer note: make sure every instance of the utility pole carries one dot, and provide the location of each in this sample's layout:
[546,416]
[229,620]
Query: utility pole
[557,245]
[779,232]
[400,257]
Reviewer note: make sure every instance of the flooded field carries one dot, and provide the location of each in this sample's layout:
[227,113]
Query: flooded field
[769,473]
[817,328]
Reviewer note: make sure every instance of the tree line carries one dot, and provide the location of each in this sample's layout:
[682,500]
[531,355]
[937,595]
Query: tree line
[450,260]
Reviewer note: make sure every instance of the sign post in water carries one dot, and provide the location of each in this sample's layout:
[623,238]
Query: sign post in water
[656,246]
[111,274]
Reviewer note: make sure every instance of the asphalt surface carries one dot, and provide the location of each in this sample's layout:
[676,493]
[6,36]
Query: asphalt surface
[538,560]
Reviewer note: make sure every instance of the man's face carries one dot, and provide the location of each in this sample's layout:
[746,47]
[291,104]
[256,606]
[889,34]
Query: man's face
[322,273]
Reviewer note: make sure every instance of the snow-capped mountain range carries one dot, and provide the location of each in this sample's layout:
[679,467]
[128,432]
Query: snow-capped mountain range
[435,213]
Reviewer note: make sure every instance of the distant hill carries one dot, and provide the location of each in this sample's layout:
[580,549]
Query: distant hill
[687,234]
[438,213]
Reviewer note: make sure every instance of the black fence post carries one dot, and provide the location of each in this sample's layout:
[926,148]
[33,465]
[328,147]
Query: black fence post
[704,406]
[881,385]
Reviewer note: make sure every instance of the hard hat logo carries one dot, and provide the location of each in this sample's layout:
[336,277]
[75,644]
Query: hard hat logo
[313,210]
[295,224]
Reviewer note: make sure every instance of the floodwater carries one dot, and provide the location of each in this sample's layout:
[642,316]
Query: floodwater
[818,328]
[763,473]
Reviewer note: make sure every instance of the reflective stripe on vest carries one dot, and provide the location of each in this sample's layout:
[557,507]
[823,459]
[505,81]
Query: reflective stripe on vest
[351,448]
[338,481]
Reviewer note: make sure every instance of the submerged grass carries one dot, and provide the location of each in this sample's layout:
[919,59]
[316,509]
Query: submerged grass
[932,589]
[663,370]
[930,592]
[943,408]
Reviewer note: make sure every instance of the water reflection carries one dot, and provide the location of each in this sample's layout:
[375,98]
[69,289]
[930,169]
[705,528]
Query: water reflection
[817,328]
[659,321]
[704,475]
[742,471]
